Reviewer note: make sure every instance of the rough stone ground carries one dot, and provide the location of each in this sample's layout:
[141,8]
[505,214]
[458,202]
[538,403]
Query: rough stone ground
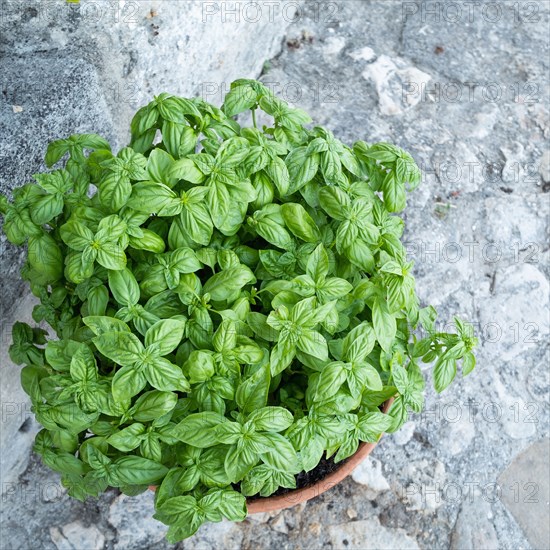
[472,471]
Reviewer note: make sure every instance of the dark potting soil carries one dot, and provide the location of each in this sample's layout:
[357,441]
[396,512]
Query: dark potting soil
[304,479]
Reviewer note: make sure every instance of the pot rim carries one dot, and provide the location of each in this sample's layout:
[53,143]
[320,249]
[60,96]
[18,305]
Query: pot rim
[303,494]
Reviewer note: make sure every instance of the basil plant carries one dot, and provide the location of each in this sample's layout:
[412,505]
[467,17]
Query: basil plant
[230,305]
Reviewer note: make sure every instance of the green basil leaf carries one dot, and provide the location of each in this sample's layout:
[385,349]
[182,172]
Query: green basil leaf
[394,193]
[278,172]
[59,353]
[128,438]
[135,470]
[76,235]
[124,287]
[198,429]
[398,413]
[273,233]
[225,338]
[253,392]
[45,257]
[224,284]
[282,355]
[83,365]
[196,221]
[239,461]
[300,222]
[384,324]
[46,208]
[348,448]
[318,264]
[164,336]
[98,300]
[228,433]
[335,202]
[444,373]
[114,191]
[239,99]
[154,198]
[78,268]
[232,505]
[127,382]
[372,424]
[183,516]
[149,241]
[271,419]
[469,363]
[359,342]
[153,404]
[123,348]
[313,343]
[186,169]
[302,167]
[166,376]
[111,256]
[369,377]
[282,455]
[331,379]
[101,324]
[159,167]
[199,367]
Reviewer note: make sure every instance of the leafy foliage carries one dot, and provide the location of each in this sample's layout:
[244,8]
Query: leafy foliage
[230,305]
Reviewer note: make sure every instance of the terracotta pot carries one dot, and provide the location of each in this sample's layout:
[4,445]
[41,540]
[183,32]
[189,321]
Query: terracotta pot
[297,496]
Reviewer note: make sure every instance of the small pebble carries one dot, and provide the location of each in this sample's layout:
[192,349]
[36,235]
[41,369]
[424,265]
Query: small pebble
[315,529]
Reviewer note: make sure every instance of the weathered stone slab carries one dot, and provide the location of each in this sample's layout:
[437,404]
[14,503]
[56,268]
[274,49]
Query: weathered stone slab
[526,492]
[474,527]
[42,97]
[369,534]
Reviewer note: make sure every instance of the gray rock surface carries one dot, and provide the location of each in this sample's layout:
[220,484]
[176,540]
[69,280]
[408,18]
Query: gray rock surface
[18,424]
[144,47]
[529,498]
[477,229]
[474,528]
[368,534]
[369,473]
[44,96]
[131,517]
[76,536]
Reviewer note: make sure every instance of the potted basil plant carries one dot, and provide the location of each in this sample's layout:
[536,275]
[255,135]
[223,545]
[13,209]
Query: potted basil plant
[234,313]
